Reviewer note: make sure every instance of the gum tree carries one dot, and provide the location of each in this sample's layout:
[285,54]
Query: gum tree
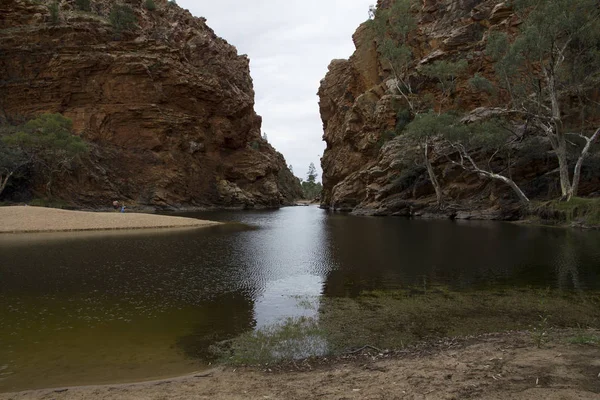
[423,130]
[483,138]
[45,143]
[554,59]
[392,28]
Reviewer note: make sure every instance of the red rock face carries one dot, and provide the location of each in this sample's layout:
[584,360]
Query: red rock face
[168,107]
[364,172]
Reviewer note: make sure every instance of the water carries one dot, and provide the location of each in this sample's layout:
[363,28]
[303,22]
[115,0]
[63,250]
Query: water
[90,308]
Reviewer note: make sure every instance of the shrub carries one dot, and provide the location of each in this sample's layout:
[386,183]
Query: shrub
[481,84]
[83,5]
[150,5]
[255,145]
[54,11]
[122,18]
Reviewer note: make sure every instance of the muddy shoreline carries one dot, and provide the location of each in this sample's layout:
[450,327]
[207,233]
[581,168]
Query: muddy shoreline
[492,366]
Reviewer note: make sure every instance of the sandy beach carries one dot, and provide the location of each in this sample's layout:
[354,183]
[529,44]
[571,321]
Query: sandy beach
[22,219]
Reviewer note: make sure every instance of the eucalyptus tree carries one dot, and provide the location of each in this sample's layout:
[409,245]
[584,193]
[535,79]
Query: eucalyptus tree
[46,143]
[554,59]
[392,27]
[424,129]
[487,139]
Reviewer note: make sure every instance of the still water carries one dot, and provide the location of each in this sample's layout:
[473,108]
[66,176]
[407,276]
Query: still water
[91,308]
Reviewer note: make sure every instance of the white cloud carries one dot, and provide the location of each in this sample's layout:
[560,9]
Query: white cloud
[290,44]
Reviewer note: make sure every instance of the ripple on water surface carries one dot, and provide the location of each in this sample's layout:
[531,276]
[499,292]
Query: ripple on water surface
[88,308]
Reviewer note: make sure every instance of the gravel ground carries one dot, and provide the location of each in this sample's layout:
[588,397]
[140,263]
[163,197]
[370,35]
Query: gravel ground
[38,219]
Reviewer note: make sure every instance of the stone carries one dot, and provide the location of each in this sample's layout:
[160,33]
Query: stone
[169,108]
[369,174]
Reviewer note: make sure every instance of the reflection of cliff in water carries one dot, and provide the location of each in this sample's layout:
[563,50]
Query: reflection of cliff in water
[381,253]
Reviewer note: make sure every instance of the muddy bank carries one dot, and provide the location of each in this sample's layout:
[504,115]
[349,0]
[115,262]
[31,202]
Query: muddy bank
[497,366]
[38,219]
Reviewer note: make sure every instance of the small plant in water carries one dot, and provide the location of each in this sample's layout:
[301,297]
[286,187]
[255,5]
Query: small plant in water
[293,338]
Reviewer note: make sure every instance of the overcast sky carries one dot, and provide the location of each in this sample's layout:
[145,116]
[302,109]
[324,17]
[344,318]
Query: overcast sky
[290,44]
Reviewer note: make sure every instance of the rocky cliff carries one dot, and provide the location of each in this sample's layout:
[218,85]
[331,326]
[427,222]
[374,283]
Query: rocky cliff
[166,104]
[367,171]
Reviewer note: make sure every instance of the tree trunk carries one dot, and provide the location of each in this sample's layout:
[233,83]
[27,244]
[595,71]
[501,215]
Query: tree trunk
[524,199]
[577,174]
[432,177]
[4,181]
[560,146]
[563,166]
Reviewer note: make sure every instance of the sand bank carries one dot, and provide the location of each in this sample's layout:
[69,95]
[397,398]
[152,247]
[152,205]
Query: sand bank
[38,219]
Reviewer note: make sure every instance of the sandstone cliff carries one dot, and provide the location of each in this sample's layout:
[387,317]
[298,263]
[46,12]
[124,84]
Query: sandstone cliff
[167,105]
[367,172]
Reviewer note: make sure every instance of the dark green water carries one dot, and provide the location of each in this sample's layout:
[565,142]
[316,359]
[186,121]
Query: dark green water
[84,308]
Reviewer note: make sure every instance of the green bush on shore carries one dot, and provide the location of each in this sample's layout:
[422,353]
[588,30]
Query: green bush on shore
[578,211]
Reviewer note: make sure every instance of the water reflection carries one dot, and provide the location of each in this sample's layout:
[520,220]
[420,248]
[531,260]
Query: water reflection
[387,253]
[95,307]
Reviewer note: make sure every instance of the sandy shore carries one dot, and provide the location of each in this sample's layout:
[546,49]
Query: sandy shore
[38,219]
[494,367]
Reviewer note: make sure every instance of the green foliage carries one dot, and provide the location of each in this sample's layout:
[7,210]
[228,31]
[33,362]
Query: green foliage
[559,38]
[584,338]
[150,5]
[392,319]
[172,3]
[311,189]
[487,135]
[254,145]
[396,21]
[497,45]
[407,177]
[83,5]
[45,143]
[48,135]
[391,28]
[403,118]
[446,73]
[430,124]
[312,175]
[481,84]
[578,210]
[54,13]
[539,332]
[122,18]
[291,339]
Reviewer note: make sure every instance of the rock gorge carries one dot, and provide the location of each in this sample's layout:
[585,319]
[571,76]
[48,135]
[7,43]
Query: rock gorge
[367,172]
[167,106]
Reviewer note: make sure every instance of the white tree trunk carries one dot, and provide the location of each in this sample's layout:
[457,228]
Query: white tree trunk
[582,157]
[563,166]
[522,197]
[560,142]
[4,181]
[432,177]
